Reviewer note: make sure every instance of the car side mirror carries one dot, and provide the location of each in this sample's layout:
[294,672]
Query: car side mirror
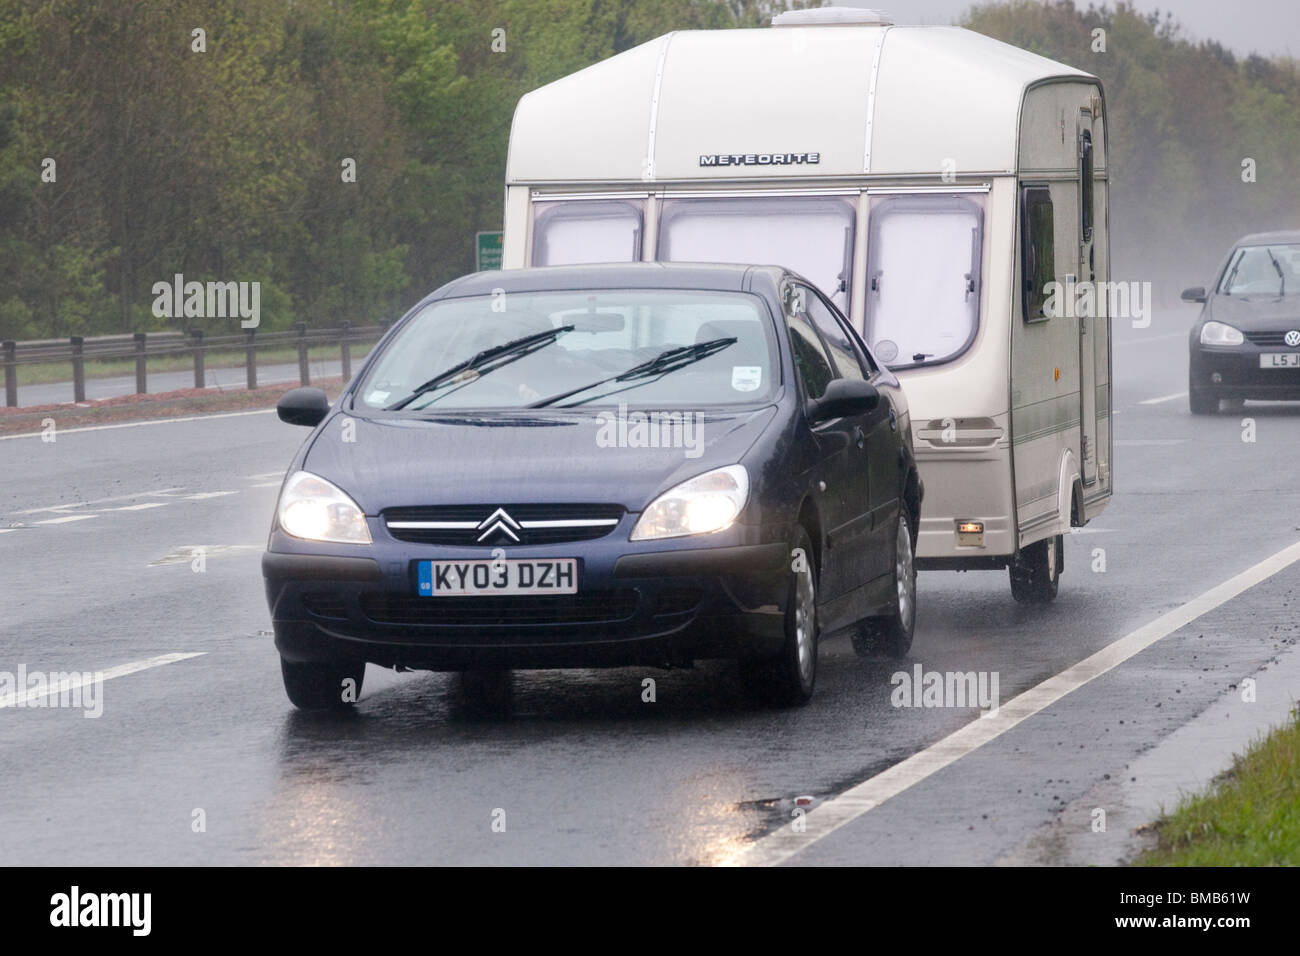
[845,397]
[303,406]
[1194,294]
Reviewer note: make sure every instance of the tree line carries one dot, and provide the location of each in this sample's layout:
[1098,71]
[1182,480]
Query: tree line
[343,154]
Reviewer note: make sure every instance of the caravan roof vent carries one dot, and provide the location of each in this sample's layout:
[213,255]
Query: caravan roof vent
[832,16]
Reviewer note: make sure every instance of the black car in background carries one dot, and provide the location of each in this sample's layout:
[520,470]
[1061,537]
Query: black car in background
[586,466]
[1246,343]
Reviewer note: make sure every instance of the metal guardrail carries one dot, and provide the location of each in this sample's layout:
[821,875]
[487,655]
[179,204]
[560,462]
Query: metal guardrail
[143,345]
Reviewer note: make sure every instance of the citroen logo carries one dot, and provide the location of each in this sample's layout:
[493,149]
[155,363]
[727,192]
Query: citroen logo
[498,521]
[1293,338]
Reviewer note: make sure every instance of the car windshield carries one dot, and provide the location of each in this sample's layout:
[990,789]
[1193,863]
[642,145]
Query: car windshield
[1262,270]
[520,349]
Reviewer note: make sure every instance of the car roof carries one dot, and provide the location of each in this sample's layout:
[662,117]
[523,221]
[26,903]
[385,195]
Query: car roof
[1259,238]
[620,275]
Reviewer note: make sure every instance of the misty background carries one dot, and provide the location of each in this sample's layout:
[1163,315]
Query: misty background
[225,164]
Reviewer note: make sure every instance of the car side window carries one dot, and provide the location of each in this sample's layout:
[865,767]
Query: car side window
[849,362]
[811,362]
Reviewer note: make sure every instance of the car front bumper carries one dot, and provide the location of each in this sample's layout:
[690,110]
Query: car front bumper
[635,605]
[1239,374]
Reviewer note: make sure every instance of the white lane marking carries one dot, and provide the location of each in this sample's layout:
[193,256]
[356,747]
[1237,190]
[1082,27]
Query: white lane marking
[66,519]
[7,530]
[152,421]
[1163,398]
[1147,442]
[781,845]
[143,507]
[266,484]
[266,474]
[187,553]
[97,501]
[121,670]
[1092,530]
[203,495]
[1144,339]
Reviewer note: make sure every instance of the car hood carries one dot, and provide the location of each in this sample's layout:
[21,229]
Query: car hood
[520,457]
[1256,313]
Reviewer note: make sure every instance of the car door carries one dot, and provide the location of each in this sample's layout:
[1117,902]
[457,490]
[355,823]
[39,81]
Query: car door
[873,454]
[844,499]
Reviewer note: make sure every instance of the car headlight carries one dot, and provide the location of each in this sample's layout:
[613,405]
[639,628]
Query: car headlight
[313,509]
[1216,333]
[707,503]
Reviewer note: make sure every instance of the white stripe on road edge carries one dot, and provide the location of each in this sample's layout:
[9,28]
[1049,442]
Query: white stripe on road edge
[121,670]
[1163,398]
[65,520]
[780,846]
[152,421]
[204,495]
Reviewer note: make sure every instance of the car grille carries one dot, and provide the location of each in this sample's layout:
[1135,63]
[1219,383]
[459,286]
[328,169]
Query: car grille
[590,607]
[493,526]
[1272,340]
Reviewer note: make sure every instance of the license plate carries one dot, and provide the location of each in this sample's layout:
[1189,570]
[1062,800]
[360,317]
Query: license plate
[492,576]
[1280,360]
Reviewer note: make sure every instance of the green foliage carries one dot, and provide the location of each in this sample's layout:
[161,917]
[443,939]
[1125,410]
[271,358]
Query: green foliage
[227,164]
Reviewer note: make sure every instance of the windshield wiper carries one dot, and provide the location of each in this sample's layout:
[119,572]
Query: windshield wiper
[1277,266]
[661,364]
[509,352]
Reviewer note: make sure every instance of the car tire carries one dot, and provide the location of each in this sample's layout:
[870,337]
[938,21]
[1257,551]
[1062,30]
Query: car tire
[1036,571]
[322,686]
[787,680]
[1202,401]
[890,635]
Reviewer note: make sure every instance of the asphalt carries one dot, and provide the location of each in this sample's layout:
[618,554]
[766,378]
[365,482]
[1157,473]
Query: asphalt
[579,768]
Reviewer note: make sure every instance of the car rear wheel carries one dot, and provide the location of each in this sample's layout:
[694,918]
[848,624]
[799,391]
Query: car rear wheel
[322,686]
[1036,571]
[787,679]
[1201,400]
[891,635]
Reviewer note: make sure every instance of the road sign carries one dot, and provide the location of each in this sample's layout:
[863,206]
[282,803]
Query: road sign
[487,249]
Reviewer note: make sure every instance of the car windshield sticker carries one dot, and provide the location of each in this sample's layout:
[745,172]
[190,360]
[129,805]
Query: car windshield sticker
[746,378]
[376,397]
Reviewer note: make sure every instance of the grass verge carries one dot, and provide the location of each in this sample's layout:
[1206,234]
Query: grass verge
[1249,816]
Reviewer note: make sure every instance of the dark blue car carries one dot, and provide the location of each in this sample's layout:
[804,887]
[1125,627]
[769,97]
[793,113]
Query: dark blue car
[588,466]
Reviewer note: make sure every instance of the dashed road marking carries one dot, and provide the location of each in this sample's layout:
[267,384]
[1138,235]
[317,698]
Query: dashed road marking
[784,843]
[203,495]
[121,670]
[141,507]
[1163,398]
[66,519]
[97,501]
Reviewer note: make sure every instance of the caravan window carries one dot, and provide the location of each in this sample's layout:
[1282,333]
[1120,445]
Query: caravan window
[811,235]
[1037,251]
[578,232]
[923,278]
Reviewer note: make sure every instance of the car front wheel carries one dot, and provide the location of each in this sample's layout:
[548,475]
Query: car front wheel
[1201,400]
[787,679]
[891,634]
[321,686]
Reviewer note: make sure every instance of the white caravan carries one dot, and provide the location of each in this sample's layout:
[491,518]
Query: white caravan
[932,181]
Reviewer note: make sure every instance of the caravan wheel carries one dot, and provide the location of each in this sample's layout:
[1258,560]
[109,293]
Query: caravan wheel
[1036,572]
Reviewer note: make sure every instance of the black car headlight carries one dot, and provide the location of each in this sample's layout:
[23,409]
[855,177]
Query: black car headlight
[706,503]
[313,509]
